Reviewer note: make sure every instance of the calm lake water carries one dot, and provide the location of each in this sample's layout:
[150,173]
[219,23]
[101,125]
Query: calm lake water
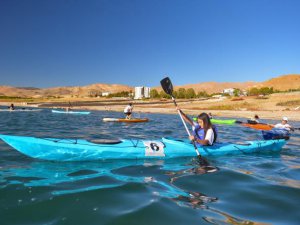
[246,189]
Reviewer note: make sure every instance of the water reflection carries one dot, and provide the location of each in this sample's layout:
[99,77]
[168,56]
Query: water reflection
[68,178]
[228,219]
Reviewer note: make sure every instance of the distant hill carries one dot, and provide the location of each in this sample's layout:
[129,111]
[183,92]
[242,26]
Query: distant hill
[282,83]
[76,91]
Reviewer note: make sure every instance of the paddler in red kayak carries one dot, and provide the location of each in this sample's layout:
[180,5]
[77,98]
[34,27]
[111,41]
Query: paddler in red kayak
[284,124]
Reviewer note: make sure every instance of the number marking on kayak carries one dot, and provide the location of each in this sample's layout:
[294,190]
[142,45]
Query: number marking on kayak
[154,148]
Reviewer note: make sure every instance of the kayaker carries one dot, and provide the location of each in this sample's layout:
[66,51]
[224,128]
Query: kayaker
[210,115]
[128,110]
[11,107]
[204,133]
[69,107]
[254,120]
[284,124]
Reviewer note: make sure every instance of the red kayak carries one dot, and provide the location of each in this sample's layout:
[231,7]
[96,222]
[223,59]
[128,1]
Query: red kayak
[258,126]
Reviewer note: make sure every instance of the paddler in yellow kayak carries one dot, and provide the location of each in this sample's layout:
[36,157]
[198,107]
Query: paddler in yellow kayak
[128,111]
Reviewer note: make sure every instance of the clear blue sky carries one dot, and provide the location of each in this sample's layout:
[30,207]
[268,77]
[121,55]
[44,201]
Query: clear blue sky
[47,43]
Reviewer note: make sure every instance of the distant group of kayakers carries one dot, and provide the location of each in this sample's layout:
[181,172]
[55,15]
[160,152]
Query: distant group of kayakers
[282,125]
[204,132]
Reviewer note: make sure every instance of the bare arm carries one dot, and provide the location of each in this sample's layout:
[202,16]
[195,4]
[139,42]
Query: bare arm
[202,142]
[185,117]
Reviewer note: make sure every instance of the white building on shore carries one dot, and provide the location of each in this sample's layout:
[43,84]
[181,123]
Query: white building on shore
[141,92]
[105,94]
[229,91]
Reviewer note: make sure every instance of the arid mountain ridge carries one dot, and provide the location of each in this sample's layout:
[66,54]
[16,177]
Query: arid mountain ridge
[282,83]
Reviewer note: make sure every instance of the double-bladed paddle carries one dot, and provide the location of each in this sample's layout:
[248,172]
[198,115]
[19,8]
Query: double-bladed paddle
[167,86]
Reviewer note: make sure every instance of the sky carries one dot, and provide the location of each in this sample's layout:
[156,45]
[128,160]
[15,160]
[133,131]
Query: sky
[49,43]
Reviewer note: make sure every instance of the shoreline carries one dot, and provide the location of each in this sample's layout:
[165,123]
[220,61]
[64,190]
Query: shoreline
[168,107]
[234,114]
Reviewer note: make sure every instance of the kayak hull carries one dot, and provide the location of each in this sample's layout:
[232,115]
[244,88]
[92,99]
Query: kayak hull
[133,120]
[72,112]
[83,150]
[276,133]
[20,110]
[258,126]
[217,121]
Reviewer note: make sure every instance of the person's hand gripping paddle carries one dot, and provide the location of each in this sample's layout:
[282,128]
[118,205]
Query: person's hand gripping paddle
[167,86]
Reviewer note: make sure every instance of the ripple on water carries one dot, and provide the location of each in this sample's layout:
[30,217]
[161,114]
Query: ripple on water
[244,189]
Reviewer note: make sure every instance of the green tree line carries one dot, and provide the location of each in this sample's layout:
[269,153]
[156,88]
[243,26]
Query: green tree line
[120,94]
[261,91]
[181,93]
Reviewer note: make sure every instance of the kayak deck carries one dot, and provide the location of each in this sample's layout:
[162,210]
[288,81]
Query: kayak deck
[71,112]
[258,126]
[225,121]
[83,150]
[123,120]
[20,110]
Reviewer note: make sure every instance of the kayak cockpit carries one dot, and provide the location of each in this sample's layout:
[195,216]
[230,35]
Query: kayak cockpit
[105,141]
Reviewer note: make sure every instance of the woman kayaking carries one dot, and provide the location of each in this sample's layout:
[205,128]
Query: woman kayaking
[204,133]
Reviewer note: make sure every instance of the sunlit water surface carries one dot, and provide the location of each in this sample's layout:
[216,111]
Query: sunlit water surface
[246,189]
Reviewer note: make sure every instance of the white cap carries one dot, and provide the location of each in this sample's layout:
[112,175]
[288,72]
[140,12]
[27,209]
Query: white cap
[285,118]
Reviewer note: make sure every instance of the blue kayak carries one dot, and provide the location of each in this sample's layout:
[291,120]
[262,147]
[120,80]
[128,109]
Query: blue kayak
[84,150]
[276,133]
[71,112]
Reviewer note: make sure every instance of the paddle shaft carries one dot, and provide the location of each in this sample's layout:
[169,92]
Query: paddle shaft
[184,123]
[186,128]
[168,89]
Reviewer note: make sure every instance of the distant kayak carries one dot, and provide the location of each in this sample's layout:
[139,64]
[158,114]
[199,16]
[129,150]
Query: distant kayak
[20,110]
[71,112]
[258,126]
[133,120]
[218,121]
[85,150]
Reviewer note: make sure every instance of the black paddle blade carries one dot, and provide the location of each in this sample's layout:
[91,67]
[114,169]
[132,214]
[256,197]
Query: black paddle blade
[202,161]
[167,85]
